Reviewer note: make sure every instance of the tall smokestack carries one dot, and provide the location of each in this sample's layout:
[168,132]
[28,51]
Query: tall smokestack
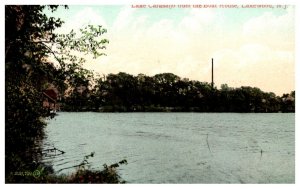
[212,73]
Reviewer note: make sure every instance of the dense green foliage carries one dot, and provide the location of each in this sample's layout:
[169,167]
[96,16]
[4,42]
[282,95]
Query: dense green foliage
[168,92]
[25,75]
[36,58]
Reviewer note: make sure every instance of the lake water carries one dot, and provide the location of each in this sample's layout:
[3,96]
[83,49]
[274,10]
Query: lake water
[178,147]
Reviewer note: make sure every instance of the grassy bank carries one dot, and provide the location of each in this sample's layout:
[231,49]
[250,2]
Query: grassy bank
[41,173]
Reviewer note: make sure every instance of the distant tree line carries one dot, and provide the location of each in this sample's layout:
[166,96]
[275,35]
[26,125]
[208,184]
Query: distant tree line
[123,92]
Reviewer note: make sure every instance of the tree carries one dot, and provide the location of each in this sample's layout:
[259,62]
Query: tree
[288,102]
[30,50]
[24,62]
[167,92]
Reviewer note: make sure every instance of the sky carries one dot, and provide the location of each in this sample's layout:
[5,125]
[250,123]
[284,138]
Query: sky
[250,46]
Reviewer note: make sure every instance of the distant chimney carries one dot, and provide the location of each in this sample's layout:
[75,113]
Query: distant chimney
[212,73]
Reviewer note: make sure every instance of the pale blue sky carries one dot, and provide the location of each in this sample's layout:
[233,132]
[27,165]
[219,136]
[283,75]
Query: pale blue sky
[232,17]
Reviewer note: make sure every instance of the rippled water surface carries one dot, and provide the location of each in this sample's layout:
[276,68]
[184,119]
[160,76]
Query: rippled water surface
[178,147]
